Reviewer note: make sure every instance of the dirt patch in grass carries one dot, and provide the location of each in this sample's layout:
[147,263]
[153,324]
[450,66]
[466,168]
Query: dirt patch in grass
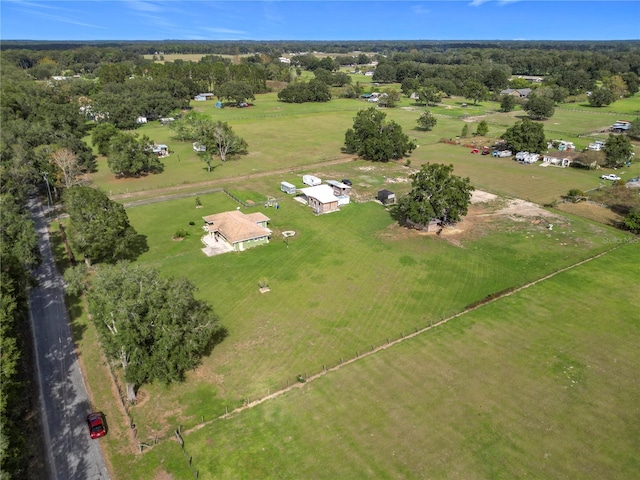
[522,208]
[487,213]
[162,475]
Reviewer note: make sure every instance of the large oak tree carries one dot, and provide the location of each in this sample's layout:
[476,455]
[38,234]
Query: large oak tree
[130,155]
[99,227]
[437,194]
[539,107]
[152,326]
[374,138]
[618,150]
[526,136]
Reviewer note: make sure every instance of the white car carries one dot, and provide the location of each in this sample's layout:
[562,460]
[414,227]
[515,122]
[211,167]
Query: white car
[610,176]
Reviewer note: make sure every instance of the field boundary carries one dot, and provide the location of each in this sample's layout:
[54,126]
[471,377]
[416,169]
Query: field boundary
[164,193]
[303,380]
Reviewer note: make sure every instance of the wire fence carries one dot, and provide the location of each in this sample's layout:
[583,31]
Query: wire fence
[300,379]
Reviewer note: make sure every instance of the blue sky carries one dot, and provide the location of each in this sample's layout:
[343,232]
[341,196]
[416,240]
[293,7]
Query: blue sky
[319,20]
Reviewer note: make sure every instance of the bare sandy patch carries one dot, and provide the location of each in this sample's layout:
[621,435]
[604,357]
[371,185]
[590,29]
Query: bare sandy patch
[522,208]
[478,196]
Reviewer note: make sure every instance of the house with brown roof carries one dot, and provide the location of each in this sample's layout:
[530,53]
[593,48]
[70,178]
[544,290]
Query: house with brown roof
[236,229]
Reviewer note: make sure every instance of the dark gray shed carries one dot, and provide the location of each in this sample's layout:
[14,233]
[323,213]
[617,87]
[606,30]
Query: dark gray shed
[386,197]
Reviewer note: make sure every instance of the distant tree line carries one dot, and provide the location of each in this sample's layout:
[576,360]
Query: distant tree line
[386,47]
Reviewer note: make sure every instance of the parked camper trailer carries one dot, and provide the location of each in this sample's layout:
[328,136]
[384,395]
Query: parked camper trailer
[526,157]
[597,145]
[311,180]
[620,126]
[502,153]
[286,187]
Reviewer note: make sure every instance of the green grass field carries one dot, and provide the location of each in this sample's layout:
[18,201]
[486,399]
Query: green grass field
[539,384]
[347,281]
[290,136]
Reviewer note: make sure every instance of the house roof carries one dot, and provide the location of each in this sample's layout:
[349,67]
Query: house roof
[236,227]
[322,193]
[337,184]
[523,92]
[385,192]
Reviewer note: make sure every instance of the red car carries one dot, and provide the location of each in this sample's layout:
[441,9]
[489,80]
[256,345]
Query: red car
[475,150]
[97,425]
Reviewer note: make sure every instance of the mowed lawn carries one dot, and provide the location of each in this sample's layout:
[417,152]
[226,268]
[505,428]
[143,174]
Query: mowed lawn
[541,384]
[347,281]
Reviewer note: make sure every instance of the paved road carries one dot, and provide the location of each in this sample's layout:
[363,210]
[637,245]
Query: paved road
[63,393]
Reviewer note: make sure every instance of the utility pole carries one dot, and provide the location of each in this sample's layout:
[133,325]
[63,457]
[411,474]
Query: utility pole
[44,175]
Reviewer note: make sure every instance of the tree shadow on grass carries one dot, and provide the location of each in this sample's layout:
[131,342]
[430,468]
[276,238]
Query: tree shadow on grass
[213,167]
[216,339]
[137,247]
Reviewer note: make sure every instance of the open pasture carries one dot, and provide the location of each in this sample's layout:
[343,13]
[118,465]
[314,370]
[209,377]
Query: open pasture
[539,384]
[626,106]
[290,136]
[345,282]
[505,176]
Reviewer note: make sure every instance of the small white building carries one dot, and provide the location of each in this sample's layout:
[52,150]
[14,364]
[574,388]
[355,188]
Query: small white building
[141,119]
[198,147]
[160,150]
[311,180]
[548,160]
[287,187]
[321,199]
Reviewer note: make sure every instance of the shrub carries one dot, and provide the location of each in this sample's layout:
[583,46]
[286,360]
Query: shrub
[180,233]
[575,195]
[632,221]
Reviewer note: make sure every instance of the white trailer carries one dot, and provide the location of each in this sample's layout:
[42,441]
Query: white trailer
[286,187]
[311,180]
